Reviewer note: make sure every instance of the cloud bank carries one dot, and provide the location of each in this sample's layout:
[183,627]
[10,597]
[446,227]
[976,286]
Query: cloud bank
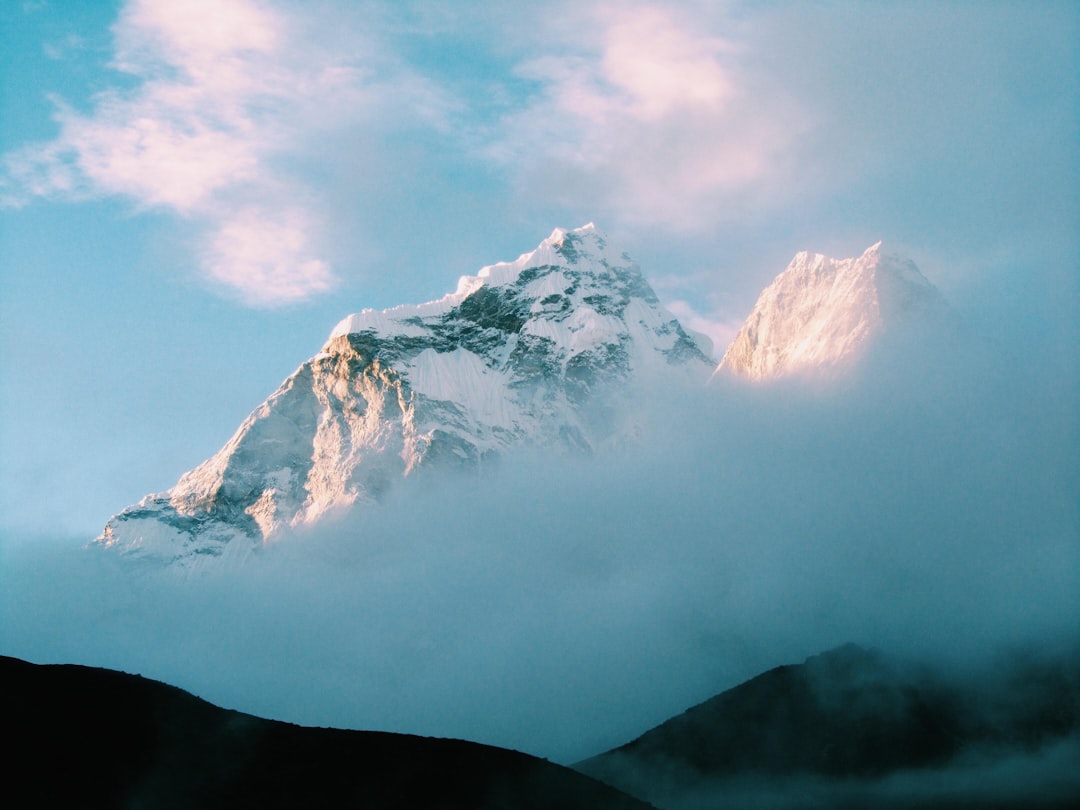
[561,606]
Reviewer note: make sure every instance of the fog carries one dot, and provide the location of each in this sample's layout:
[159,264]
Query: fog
[562,605]
[1040,779]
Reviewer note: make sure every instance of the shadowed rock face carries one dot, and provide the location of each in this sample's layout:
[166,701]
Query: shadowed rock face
[85,737]
[841,714]
[851,717]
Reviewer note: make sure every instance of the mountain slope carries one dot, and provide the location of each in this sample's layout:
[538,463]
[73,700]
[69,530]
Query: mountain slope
[844,722]
[537,351]
[822,313]
[86,737]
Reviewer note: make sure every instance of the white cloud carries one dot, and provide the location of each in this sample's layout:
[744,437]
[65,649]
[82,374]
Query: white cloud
[198,36]
[225,94]
[267,256]
[726,121]
[155,153]
[661,66]
[648,115]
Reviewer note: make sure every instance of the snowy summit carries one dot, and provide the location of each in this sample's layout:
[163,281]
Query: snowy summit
[550,350]
[822,314]
[535,351]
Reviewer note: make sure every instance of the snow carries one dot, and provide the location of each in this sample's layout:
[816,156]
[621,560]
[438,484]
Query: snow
[460,376]
[822,313]
[391,321]
[341,428]
[554,283]
[583,330]
[650,321]
[398,320]
[148,536]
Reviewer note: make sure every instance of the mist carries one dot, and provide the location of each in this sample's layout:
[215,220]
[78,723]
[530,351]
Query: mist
[1041,779]
[561,605]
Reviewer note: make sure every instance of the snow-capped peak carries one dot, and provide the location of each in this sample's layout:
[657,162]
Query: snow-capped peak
[538,351]
[549,253]
[822,313]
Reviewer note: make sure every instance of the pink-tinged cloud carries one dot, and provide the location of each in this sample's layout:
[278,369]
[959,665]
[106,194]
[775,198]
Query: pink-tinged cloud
[199,35]
[650,115]
[222,97]
[661,66]
[266,256]
[158,157]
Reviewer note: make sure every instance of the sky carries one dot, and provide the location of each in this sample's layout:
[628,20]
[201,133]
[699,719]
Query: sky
[192,196]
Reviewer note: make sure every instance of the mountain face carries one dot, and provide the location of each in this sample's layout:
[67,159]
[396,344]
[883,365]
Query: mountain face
[92,737]
[538,351]
[855,728]
[822,314]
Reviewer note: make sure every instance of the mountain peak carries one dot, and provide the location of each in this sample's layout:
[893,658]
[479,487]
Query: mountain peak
[538,351]
[559,234]
[563,248]
[822,313]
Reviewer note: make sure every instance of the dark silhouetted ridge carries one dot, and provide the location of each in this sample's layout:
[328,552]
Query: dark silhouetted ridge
[83,737]
[852,718]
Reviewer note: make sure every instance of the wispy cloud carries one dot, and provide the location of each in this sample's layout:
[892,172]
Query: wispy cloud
[657,67]
[648,114]
[696,119]
[223,94]
[264,256]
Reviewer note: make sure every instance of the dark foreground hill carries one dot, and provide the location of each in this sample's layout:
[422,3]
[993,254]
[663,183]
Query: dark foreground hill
[93,738]
[854,728]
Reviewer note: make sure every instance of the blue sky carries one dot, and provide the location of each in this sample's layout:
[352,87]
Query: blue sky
[192,195]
